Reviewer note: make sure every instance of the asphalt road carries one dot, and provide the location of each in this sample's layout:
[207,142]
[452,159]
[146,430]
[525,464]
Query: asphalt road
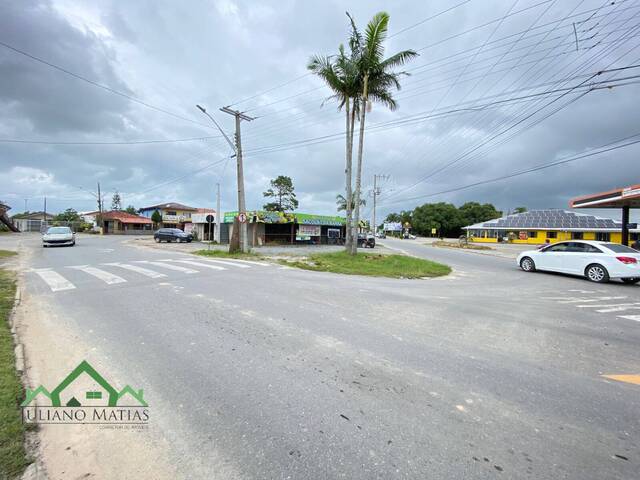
[487,373]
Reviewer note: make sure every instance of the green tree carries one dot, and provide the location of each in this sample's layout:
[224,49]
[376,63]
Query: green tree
[376,80]
[131,209]
[474,212]
[520,210]
[341,203]
[282,190]
[69,215]
[156,217]
[116,201]
[444,217]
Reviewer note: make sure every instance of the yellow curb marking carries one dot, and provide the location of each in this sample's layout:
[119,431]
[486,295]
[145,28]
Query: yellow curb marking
[635,379]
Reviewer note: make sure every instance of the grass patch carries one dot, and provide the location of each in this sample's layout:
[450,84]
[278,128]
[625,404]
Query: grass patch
[226,254]
[13,458]
[394,266]
[469,246]
[7,253]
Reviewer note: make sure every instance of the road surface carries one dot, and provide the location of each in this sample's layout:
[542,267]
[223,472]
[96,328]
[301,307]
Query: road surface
[273,372]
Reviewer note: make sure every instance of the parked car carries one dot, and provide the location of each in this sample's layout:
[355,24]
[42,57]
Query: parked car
[172,235]
[597,261]
[366,240]
[58,236]
[381,235]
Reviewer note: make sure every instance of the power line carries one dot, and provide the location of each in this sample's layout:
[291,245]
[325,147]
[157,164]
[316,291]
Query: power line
[544,166]
[436,15]
[99,85]
[121,142]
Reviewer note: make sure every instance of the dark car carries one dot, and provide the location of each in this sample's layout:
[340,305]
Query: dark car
[172,235]
[366,240]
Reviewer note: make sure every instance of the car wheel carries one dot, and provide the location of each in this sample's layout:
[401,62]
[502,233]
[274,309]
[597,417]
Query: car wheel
[631,281]
[597,273]
[156,239]
[73,244]
[527,264]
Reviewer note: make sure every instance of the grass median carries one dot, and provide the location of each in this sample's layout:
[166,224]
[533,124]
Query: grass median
[372,264]
[225,254]
[13,458]
[7,253]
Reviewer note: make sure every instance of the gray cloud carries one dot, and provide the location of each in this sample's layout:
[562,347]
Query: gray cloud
[214,52]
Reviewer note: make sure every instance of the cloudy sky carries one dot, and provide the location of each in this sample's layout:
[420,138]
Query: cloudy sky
[499,87]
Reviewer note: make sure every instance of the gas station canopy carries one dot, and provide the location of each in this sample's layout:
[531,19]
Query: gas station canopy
[623,198]
[618,198]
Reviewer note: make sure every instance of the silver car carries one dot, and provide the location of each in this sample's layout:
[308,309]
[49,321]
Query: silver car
[58,236]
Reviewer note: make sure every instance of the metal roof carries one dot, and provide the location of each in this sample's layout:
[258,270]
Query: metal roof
[549,220]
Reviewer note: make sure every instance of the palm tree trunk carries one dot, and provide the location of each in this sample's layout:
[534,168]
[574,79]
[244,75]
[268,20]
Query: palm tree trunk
[347,171]
[356,199]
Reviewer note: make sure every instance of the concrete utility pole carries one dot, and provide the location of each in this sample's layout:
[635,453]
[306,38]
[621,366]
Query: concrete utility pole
[242,211]
[237,148]
[376,192]
[217,234]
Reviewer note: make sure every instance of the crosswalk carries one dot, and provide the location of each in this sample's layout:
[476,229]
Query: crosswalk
[622,306]
[114,273]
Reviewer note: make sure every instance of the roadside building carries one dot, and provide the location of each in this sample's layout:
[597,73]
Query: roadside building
[174,215]
[32,221]
[548,226]
[90,217]
[118,222]
[203,224]
[290,228]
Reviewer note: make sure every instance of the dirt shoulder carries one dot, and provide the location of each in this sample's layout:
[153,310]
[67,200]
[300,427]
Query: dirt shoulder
[51,351]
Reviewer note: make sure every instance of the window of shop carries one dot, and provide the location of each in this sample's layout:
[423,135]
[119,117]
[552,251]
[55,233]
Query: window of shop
[603,236]
[552,234]
[577,235]
[532,234]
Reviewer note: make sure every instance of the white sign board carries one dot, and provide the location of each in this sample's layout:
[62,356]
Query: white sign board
[392,227]
[201,217]
[309,230]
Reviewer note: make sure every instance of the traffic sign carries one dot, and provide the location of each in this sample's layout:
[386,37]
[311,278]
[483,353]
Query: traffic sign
[242,218]
[210,218]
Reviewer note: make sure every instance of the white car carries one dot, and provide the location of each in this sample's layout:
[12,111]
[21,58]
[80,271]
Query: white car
[598,261]
[58,236]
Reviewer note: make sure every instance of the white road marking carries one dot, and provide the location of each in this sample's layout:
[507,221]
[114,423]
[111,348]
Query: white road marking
[619,309]
[567,300]
[134,268]
[200,264]
[251,262]
[54,280]
[608,306]
[630,317]
[107,277]
[177,268]
[225,262]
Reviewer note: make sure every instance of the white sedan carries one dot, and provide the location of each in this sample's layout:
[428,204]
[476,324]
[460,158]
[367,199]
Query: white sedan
[58,236]
[598,261]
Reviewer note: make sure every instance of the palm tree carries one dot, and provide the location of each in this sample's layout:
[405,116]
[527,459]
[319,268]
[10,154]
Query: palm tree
[376,80]
[341,76]
[341,202]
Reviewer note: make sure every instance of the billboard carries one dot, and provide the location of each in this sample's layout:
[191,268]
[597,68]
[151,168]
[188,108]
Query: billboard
[392,227]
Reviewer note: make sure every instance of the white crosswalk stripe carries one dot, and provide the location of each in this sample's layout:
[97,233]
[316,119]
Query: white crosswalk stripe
[107,277]
[226,262]
[635,318]
[250,262]
[54,280]
[168,266]
[200,264]
[135,268]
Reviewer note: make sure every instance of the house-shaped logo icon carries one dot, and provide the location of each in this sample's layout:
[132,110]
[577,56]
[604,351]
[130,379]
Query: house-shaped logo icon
[70,392]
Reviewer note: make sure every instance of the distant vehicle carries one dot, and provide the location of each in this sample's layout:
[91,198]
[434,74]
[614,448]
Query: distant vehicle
[172,235]
[381,235]
[58,236]
[412,237]
[366,240]
[597,261]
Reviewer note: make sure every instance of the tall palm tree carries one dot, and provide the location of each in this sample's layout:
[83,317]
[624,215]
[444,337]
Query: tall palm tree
[341,203]
[376,79]
[341,75]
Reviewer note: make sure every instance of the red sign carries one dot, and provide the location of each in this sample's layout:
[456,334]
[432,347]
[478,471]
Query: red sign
[242,218]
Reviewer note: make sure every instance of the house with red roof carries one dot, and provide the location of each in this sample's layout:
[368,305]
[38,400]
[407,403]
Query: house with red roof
[123,223]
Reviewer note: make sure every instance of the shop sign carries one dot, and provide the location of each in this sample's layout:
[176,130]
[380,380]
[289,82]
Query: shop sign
[309,230]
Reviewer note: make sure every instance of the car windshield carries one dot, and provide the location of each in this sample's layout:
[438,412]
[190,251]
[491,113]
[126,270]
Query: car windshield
[58,230]
[616,247]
